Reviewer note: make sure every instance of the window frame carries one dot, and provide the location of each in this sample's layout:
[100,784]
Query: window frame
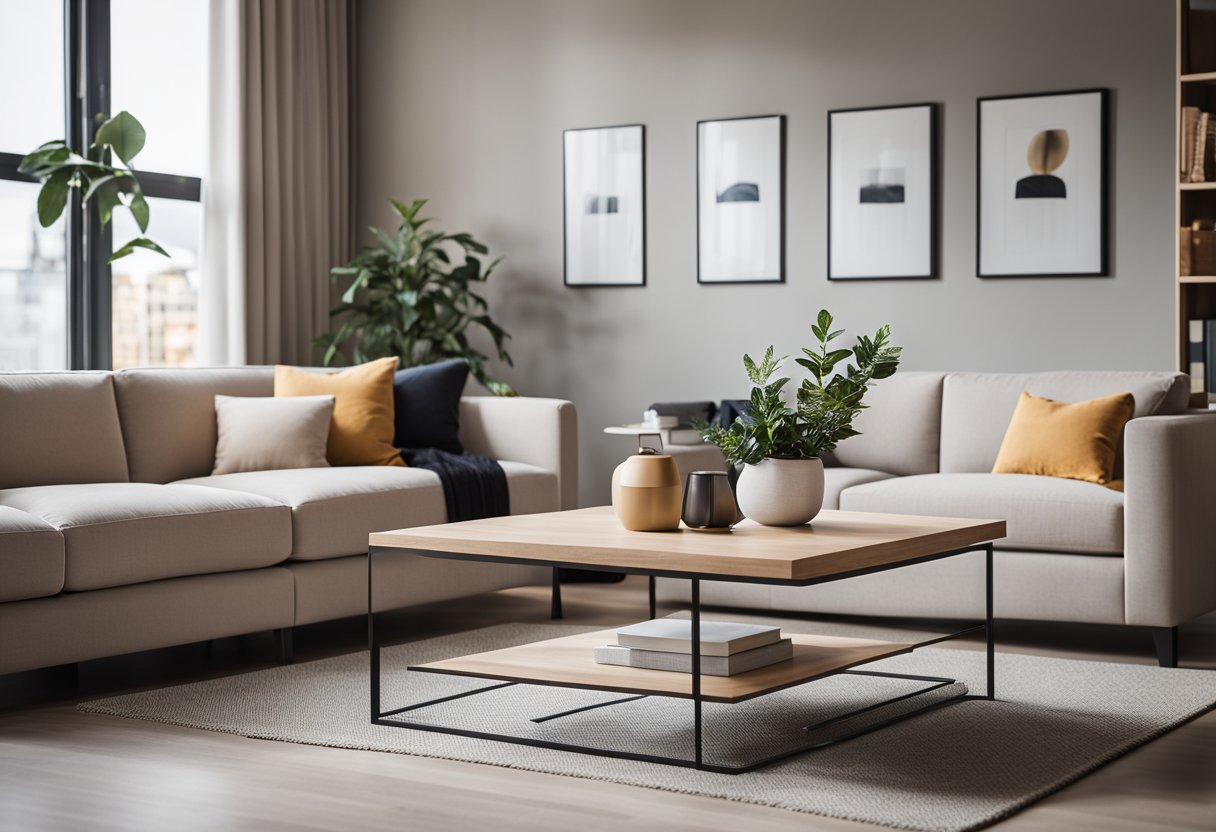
[87,74]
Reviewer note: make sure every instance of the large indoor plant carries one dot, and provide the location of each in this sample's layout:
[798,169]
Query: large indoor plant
[780,446]
[408,298]
[104,184]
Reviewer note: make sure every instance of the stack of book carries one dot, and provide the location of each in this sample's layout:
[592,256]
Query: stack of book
[1197,153]
[727,648]
[1202,357]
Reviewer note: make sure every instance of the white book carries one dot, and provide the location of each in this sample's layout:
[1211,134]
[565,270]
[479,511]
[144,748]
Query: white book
[718,638]
[780,651]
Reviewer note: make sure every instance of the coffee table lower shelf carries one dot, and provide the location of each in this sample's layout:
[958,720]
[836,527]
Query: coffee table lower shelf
[568,662]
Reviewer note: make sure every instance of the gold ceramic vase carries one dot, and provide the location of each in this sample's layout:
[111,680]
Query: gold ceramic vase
[646,492]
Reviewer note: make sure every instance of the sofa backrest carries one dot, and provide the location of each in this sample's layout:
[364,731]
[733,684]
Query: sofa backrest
[901,427]
[59,428]
[977,407]
[168,416]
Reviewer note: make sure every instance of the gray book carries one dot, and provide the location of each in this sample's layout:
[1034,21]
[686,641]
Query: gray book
[718,638]
[731,665]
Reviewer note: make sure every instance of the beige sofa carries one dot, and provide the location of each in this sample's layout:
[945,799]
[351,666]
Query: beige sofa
[1075,551]
[115,538]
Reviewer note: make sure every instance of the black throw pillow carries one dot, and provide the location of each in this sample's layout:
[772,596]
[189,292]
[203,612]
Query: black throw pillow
[427,402]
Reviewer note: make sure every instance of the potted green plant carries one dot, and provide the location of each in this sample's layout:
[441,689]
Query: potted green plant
[408,298]
[780,446]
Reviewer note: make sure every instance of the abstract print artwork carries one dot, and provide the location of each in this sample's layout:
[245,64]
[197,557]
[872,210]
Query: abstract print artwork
[882,192]
[605,206]
[1041,185]
[740,200]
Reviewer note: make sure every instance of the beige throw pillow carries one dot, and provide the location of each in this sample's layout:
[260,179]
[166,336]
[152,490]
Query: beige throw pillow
[268,434]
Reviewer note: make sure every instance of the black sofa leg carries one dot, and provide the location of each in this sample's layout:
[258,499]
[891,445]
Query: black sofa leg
[286,647]
[1165,639]
[555,596]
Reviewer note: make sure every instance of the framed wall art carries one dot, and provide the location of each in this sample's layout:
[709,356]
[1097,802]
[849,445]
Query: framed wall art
[604,183]
[1041,185]
[882,192]
[741,200]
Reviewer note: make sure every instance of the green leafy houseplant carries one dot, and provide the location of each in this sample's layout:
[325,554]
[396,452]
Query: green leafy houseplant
[826,402]
[407,298]
[105,185]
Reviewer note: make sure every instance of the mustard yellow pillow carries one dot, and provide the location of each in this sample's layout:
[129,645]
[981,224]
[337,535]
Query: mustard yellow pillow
[1055,439]
[361,429]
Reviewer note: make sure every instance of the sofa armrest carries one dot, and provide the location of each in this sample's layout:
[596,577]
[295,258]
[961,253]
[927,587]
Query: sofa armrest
[1169,521]
[540,432]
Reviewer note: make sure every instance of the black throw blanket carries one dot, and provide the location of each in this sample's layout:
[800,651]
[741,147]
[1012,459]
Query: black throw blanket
[474,486]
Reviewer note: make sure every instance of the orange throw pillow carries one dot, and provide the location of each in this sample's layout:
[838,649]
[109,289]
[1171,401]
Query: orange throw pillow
[361,429]
[1055,439]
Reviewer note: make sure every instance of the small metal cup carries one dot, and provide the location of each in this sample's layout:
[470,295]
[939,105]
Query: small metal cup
[709,501]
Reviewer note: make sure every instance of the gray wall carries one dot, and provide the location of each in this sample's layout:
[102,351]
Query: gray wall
[464,101]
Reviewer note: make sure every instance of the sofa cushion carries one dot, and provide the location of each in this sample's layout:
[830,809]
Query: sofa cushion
[900,428]
[168,416]
[976,407]
[335,509]
[836,480]
[58,428]
[268,433]
[31,556]
[1076,440]
[426,402]
[125,533]
[1043,513]
[361,430]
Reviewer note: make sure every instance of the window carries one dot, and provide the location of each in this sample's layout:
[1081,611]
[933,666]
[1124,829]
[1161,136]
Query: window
[61,305]
[33,266]
[154,301]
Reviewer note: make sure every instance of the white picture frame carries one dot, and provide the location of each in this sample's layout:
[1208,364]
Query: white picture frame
[604,206]
[1041,185]
[882,193]
[741,200]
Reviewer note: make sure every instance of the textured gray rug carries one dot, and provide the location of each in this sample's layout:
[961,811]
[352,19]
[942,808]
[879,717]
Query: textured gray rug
[961,767]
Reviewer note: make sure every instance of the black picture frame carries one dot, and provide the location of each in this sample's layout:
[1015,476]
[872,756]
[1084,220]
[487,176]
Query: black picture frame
[565,209]
[934,191]
[1103,270]
[781,179]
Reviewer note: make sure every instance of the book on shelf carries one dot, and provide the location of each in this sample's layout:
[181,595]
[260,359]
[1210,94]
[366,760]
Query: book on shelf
[1199,138]
[1196,358]
[1209,358]
[718,638]
[732,665]
[1186,138]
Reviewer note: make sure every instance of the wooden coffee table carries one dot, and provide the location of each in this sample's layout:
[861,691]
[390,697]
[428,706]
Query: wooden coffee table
[836,545]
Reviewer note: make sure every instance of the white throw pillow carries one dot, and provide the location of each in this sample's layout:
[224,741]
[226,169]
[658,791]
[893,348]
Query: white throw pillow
[268,434]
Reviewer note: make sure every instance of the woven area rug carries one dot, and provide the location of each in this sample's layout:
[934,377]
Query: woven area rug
[960,767]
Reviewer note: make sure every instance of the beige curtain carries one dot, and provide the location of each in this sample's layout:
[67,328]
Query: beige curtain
[296,114]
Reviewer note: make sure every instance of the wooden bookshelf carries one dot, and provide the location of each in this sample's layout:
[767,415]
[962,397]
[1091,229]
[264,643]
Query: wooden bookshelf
[1195,294]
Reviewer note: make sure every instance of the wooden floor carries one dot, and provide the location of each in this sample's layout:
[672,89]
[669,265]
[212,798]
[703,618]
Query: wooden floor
[60,769]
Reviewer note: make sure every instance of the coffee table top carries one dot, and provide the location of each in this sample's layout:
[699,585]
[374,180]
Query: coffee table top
[834,543]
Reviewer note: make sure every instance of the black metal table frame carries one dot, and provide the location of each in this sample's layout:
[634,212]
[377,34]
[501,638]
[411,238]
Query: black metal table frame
[392,717]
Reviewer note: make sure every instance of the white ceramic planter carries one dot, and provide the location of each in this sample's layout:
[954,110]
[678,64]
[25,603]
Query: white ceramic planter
[781,492]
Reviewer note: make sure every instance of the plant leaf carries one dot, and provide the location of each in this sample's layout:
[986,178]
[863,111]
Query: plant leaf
[53,197]
[124,134]
[138,242]
[139,210]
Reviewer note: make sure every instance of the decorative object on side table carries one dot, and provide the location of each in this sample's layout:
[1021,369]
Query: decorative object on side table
[740,200]
[646,491]
[1041,184]
[407,299]
[780,446]
[709,502]
[882,190]
[604,175]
